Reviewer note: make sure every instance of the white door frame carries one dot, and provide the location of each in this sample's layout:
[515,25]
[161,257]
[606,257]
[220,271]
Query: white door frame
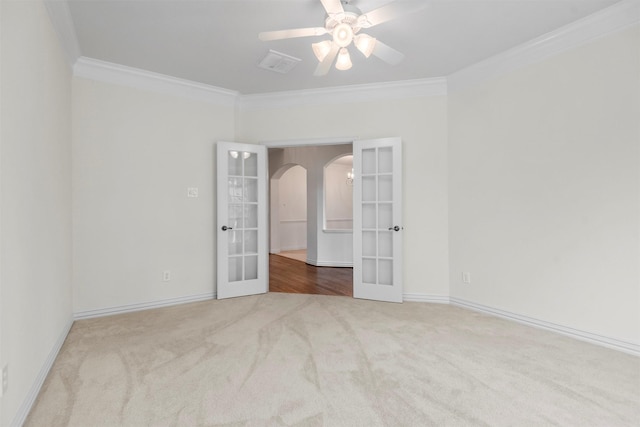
[308,142]
[316,142]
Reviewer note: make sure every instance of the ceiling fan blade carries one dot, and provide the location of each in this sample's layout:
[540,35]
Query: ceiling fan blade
[323,67]
[290,34]
[387,54]
[390,11]
[332,6]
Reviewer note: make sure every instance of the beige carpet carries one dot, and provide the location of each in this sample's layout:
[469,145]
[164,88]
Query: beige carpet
[310,360]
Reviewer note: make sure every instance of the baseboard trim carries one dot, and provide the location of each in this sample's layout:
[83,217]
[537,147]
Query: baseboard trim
[30,399]
[292,248]
[625,347]
[317,263]
[142,306]
[437,299]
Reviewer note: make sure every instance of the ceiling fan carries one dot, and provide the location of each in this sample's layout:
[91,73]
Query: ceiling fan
[344,23]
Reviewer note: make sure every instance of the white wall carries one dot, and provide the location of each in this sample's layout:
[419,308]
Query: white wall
[292,192]
[1,133]
[35,111]
[422,125]
[543,169]
[544,190]
[338,203]
[135,153]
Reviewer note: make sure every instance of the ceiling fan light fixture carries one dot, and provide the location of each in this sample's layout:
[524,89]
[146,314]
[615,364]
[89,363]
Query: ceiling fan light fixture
[321,49]
[343,34]
[365,44]
[343,63]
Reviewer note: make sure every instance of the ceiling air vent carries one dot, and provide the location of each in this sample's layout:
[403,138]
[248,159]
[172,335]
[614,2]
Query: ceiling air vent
[278,62]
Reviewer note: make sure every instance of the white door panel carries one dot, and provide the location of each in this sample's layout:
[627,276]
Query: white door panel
[242,267]
[377,219]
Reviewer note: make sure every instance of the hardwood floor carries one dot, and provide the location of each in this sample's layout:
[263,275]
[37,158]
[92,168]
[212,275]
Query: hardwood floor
[297,277]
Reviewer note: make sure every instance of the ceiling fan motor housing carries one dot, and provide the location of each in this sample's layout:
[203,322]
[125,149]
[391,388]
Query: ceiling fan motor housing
[349,17]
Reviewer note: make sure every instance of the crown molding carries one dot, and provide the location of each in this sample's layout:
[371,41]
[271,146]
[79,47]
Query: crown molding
[109,72]
[617,17]
[308,142]
[62,22]
[346,94]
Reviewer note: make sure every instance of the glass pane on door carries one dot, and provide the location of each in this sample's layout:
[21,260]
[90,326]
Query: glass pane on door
[368,161]
[369,271]
[243,215]
[385,160]
[385,244]
[377,214]
[369,243]
[235,269]
[385,272]
[234,163]
[250,164]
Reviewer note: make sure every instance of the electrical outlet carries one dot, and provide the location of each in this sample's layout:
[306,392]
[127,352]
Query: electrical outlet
[466,277]
[166,275]
[5,379]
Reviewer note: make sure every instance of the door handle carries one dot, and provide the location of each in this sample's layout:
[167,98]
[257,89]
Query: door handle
[225,228]
[394,228]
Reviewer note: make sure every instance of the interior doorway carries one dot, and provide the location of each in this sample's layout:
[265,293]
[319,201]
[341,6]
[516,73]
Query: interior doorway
[311,209]
[373,249]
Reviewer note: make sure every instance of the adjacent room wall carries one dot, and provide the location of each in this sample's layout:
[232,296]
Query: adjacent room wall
[135,154]
[544,190]
[338,198]
[422,125]
[292,195]
[35,110]
[323,248]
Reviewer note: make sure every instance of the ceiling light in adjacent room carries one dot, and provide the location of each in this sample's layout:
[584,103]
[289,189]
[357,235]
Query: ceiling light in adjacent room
[235,154]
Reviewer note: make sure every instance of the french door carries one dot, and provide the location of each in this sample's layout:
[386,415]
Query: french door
[377,219]
[242,264]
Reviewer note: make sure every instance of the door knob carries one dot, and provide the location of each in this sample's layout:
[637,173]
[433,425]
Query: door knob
[225,228]
[395,228]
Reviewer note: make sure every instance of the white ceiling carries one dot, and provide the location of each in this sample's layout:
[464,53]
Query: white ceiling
[216,41]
